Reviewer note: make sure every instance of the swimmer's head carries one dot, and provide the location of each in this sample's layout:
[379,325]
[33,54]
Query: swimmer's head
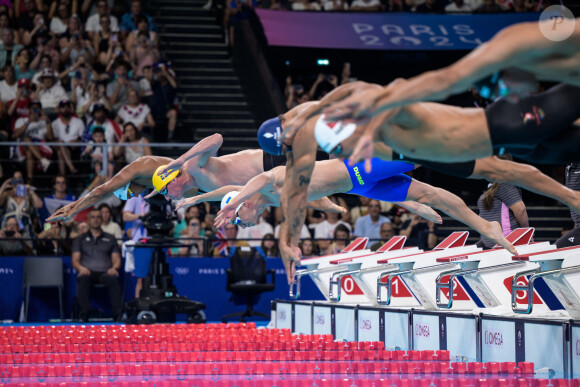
[248,215]
[507,82]
[330,135]
[161,180]
[269,136]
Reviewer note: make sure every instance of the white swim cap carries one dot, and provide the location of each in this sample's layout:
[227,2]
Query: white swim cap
[330,134]
[228,198]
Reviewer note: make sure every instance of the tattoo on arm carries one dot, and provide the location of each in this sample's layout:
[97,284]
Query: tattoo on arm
[304,180]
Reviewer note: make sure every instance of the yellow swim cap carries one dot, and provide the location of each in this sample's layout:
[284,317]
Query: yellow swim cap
[161,180]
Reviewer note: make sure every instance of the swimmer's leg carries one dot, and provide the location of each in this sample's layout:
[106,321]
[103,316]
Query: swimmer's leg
[453,206]
[527,177]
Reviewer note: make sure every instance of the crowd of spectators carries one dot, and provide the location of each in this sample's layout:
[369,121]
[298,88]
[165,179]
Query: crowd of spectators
[420,6]
[73,71]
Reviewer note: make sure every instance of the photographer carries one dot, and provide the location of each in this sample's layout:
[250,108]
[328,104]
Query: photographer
[11,242]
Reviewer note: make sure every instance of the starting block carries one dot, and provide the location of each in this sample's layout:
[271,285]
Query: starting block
[488,273]
[419,271]
[560,269]
[318,266]
[355,285]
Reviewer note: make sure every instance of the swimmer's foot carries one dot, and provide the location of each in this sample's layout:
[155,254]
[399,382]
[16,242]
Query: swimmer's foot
[495,234]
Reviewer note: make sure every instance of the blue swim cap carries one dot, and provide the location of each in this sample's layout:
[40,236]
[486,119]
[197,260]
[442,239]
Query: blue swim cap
[268,136]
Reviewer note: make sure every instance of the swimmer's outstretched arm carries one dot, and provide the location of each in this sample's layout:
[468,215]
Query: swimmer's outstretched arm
[143,166]
[204,149]
[527,177]
[262,183]
[213,196]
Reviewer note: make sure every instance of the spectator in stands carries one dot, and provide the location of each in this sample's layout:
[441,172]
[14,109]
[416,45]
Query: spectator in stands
[67,129]
[78,228]
[257,232]
[95,22]
[341,238]
[118,88]
[25,20]
[22,66]
[231,241]
[112,130]
[59,21]
[306,5]
[366,5]
[5,21]
[322,86]
[489,6]
[8,86]
[50,93]
[46,45]
[106,44]
[307,248]
[95,97]
[192,233]
[20,106]
[139,148]
[8,48]
[59,197]
[459,6]
[502,203]
[163,100]
[97,259]
[370,224]
[95,152]
[53,240]
[419,232]
[20,200]
[430,6]
[12,241]
[109,225]
[269,246]
[387,232]
[135,112]
[34,129]
[28,36]
[304,232]
[295,94]
[75,43]
[336,5]
[41,62]
[139,35]
[129,20]
[524,6]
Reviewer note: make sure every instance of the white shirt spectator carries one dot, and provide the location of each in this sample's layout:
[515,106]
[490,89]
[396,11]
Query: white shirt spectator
[256,232]
[304,233]
[57,27]
[94,23]
[74,132]
[136,116]
[7,93]
[114,229]
[453,7]
[49,98]
[34,130]
[335,5]
[301,6]
[325,230]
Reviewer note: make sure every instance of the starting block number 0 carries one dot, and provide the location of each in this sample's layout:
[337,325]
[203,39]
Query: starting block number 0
[348,284]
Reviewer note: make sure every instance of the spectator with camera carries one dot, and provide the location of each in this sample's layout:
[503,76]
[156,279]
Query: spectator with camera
[163,99]
[75,43]
[35,128]
[88,98]
[118,88]
[97,260]
[12,240]
[106,44]
[53,240]
[19,200]
[138,145]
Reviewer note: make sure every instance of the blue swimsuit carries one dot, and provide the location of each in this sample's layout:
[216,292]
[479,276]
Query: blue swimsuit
[385,182]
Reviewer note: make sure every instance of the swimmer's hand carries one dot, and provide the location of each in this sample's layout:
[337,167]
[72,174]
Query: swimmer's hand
[225,215]
[363,150]
[192,201]
[175,165]
[64,214]
[291,259]
[357,107]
